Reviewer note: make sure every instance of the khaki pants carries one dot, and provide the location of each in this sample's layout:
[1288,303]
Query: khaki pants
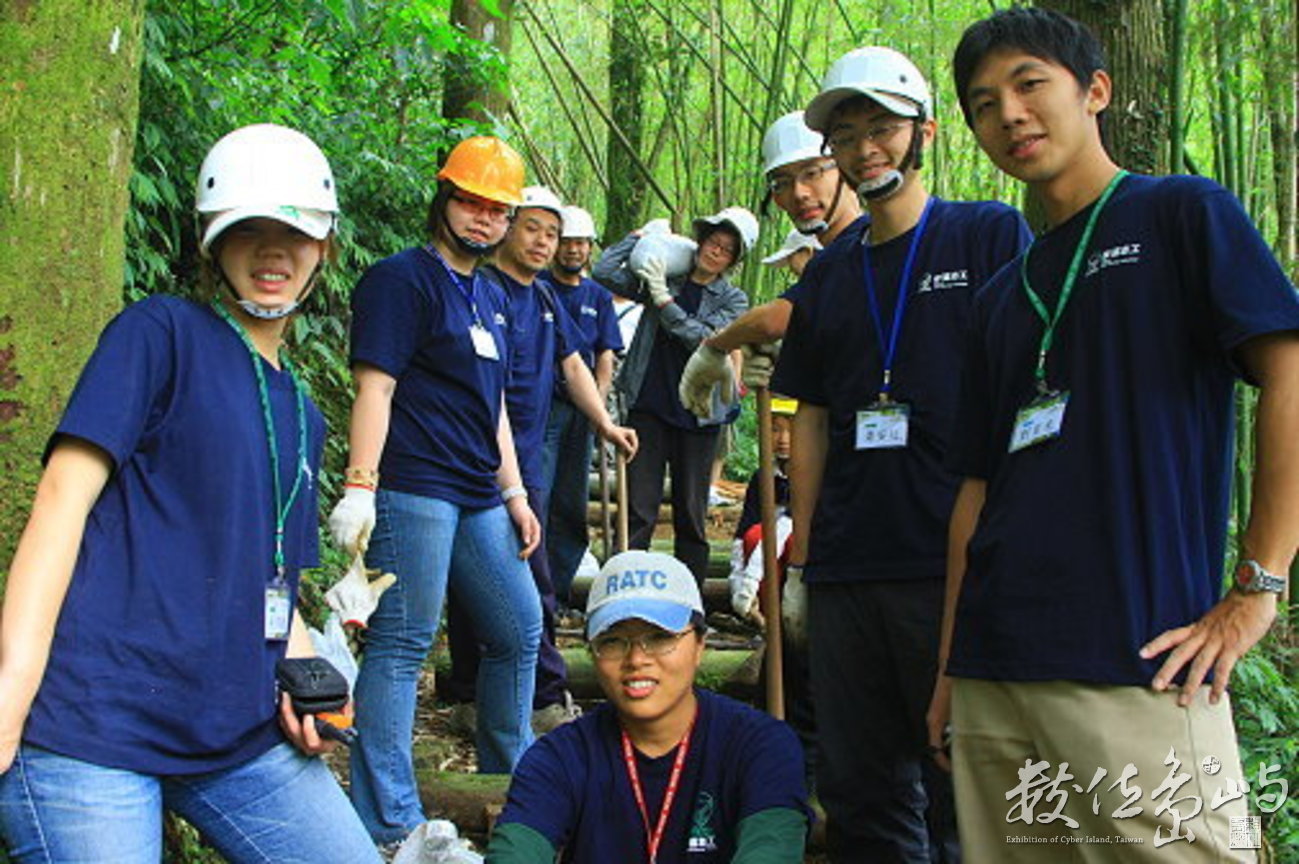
[1028,755]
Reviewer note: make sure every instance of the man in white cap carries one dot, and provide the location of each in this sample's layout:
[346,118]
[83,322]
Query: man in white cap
[566,457]
[794,253]
[805,182]
[873,356]
[543,347]
[662,771]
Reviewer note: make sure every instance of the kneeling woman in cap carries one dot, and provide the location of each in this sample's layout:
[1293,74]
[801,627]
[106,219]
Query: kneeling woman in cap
[662,769]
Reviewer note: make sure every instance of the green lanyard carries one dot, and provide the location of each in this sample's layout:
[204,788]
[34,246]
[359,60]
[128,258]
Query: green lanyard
[282,506]
[1051,320]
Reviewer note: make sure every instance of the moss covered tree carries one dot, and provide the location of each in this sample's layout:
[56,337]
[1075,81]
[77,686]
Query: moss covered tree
[69,81]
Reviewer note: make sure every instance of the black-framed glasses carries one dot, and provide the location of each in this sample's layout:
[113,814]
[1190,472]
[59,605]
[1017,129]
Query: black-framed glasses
[846,139]
[782,183]
[493,210]
[655,643]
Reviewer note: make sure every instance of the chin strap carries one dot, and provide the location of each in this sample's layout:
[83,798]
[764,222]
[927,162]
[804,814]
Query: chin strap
[262,313]
[887,184]
[469,247]
[572,271]
[820,226]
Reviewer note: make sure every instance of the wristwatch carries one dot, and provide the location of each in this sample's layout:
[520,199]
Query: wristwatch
[1253,578]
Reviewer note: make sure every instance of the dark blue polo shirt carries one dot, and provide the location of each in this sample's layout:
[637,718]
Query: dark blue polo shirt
[572,785]
[541,335]
[1091,544]
[159,662]
[411,318]
[883,514]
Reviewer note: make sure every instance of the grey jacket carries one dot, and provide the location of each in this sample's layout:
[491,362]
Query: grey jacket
[721,304]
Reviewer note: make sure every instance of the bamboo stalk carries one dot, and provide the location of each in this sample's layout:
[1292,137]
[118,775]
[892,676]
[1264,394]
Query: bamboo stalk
[582,140]
[604,115]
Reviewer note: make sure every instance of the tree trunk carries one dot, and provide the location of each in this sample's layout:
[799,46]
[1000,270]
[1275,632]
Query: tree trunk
[1132,32]
[626,193]
[469,91]
[70,75]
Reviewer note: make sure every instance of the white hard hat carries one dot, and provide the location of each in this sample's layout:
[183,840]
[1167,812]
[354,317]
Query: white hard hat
[577,223]
[266,171]
[794,241]
[880,73]
[744,223]
[543,199]
[789,140]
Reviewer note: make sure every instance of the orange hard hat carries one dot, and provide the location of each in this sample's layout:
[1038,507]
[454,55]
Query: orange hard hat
[487,167]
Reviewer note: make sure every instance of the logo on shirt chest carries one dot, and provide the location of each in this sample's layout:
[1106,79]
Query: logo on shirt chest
[1115,256]
[588,310]
[703,838]
[944,281]
[548,317]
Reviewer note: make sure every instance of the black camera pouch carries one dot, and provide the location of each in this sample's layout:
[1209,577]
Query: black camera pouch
[312,683]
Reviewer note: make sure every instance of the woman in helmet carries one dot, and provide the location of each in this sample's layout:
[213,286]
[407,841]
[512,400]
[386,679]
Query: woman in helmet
[152,593]
[432,469]
[680,312]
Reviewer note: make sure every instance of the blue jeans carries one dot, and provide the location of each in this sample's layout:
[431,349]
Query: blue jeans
[426,542]
[277,808]
[566,467]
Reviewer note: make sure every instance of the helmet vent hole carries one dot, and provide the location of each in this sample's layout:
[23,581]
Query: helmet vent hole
[211,182]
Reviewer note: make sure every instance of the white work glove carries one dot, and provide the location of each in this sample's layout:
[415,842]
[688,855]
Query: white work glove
[352,519]
[793,607]
[655,274]
[744,582]
[355,597]
[706,369]
[759,363]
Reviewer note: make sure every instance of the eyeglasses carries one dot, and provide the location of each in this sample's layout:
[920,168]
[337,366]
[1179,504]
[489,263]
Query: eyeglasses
[719,245]
[782,183]
[494,211]
[655,643]
[846,139]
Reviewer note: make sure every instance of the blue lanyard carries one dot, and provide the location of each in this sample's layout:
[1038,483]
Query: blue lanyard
[457,280]
[890,347]
[282,506]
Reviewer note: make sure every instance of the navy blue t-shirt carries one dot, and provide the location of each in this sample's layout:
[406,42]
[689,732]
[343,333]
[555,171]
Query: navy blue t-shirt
[572,787]
[1092,544]
[660,392]
[595,325]
[541,335]
[883,514]
[411,318]
[159,662]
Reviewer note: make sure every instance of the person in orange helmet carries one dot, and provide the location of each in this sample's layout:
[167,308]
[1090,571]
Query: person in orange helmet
[432,472]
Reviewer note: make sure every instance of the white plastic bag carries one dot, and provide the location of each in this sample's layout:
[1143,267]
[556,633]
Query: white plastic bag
[436,842]
[332,645]
[658,241]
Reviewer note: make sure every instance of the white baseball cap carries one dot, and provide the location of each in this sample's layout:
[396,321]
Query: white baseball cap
[794,241]
[649,586]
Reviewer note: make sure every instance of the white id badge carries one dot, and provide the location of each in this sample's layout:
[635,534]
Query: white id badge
[484,344]
[883,426]
[278,612]
[1038,421]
